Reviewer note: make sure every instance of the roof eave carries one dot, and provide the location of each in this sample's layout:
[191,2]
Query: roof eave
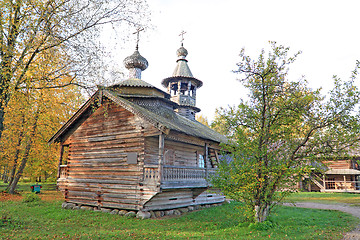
[165,82]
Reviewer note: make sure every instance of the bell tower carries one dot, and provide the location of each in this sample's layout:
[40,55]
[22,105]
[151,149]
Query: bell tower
[182,85]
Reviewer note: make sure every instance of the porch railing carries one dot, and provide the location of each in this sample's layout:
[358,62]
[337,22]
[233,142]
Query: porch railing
[341,185]
[180,173]
[178,176]
[151,174]
[336,185]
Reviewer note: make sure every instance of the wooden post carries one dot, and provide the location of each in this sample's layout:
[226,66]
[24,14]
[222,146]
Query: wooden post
[161,156]
[324,184]
[189,89]
[217,157]
[205,160]
[345,182]
[60,159]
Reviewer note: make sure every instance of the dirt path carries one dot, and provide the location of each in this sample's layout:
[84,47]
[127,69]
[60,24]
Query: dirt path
[355,211]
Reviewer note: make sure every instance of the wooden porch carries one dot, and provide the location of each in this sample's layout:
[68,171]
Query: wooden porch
[336,183]
[172,177]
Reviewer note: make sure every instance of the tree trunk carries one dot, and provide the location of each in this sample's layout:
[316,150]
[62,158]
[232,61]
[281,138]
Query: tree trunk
[7,60]
[5,176]
[2,113]
[17,153]
[19,173]
[261,213]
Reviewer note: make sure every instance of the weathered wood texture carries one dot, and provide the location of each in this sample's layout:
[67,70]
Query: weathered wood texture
[176,153]
[177,198]
[98,173]
[181,137]
[209,197]
[340,164]
[341,182]
[182,181]
[170,199]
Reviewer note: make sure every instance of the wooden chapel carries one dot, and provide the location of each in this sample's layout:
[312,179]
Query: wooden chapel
[133,146]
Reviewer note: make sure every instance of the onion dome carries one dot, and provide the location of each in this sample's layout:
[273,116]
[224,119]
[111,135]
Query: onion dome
[136,61]
[135,64]
[182,52]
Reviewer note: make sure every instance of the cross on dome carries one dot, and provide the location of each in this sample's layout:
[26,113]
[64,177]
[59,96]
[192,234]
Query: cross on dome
[138,30]
[182,37]
[182,52]
[136,63]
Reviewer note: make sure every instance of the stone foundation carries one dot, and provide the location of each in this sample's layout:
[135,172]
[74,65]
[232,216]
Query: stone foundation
[139,214]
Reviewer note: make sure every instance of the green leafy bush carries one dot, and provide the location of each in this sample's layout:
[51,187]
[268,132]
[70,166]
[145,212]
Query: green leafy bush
[265,225]
[31,197]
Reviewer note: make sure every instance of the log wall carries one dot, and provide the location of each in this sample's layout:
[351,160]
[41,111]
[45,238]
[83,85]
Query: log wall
[98,171]
[176,153]
[340,164]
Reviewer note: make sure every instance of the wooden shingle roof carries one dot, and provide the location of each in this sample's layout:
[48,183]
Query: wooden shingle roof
[163,118]
[168,119]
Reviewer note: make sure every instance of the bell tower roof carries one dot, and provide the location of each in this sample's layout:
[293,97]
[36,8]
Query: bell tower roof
[182,85]
[182,69]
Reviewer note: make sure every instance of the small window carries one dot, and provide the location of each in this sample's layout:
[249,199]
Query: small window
[201,161]
[132,158]
[65,156]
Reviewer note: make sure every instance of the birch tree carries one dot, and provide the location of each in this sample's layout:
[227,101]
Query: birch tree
[31,29]
[281,129]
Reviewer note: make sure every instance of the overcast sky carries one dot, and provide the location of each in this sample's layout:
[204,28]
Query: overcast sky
[327,32]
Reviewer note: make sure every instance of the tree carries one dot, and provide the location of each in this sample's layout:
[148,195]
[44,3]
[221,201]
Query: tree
[281,130]
[32,29]
[32,116]
[202,119]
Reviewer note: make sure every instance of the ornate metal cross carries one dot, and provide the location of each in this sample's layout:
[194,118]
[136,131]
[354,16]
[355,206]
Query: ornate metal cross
[182,36]
[138,30]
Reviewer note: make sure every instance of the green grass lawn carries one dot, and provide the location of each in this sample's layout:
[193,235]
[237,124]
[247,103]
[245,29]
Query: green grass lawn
[349,198]
[47,220]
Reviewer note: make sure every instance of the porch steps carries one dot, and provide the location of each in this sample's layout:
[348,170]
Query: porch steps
[322,188]
[213,156]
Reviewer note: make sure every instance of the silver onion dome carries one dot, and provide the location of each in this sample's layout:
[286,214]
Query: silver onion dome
[182,52]
[136,61]
[135,64]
